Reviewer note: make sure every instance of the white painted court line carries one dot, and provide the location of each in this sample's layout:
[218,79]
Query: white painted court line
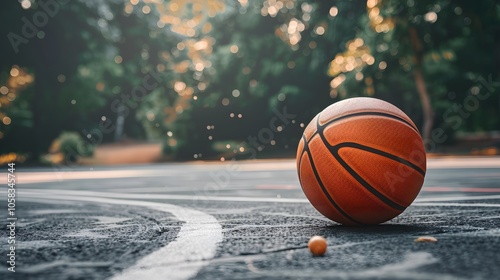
[174,196]
[425,204]
[432,163]
[240,166]
[182,258]
[463,162]
[236,198]
[55,176]
[457,198]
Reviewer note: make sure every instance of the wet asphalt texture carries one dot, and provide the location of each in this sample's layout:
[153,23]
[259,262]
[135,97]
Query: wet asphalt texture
[64,239]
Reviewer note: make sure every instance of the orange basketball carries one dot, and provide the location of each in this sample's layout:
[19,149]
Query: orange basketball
[361,161]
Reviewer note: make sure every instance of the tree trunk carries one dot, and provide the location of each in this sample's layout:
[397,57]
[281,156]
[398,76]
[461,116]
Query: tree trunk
[120,123]
[420,83]
[38,113]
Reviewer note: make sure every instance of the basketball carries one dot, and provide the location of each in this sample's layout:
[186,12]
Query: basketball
[317,245]
[361,161]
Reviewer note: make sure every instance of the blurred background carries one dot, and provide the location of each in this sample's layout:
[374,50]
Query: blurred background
[127,81]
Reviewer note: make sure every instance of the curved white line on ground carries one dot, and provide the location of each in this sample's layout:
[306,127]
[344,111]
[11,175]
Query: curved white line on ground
[182,258]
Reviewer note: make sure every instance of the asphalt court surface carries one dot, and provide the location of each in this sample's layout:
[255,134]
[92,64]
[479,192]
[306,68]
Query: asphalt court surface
[244,220]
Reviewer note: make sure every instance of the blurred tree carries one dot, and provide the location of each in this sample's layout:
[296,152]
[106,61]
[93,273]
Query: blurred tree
[437,50]
[206,77]
[85,59]
[55,44]
[267,56]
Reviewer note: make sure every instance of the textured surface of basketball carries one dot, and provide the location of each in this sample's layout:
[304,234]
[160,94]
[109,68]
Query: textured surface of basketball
[361,161]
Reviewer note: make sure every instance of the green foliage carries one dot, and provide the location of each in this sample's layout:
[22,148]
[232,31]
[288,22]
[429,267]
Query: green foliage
[71,146]
[457,39]
[94,54]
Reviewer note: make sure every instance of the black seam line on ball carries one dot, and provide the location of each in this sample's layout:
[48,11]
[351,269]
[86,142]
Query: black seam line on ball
[301,155]
[367,186]
[323,188]
[362,114]
[380,153]
[334,151]
[325,192]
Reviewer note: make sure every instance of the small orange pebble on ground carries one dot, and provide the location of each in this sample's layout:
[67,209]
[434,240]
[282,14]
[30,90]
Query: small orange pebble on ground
[426,239]
[317,245]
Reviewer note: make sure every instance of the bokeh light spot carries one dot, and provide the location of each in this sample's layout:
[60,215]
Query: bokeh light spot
[25,4]
[334,11]
[320,30]
[6,120]
[382,65]
[14,72]
[118,59]
[4,90]
[233,49]
[431,17]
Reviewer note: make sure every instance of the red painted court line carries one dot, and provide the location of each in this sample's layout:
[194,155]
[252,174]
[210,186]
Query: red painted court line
[471,190]
[276,187]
